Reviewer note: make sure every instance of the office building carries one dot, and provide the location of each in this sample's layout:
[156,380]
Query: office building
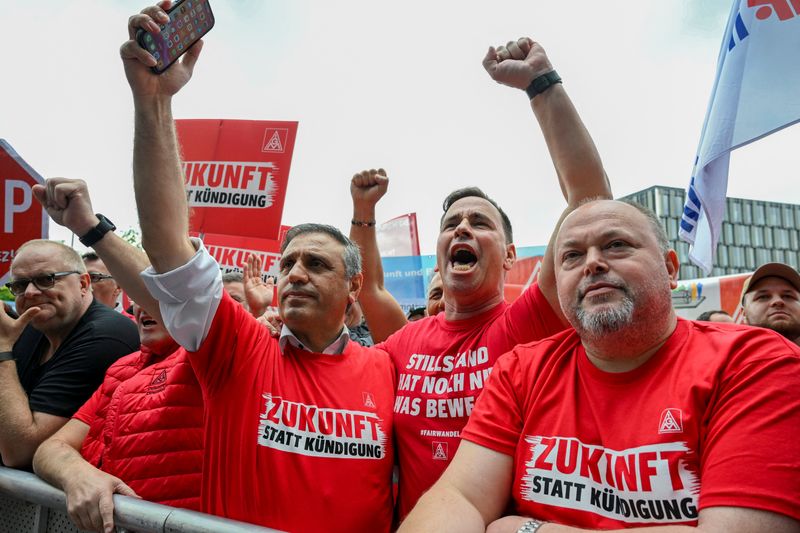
[753,232]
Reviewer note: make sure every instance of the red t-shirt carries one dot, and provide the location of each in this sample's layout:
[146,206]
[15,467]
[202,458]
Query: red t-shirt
[442,366]
[710,420]
[296,441]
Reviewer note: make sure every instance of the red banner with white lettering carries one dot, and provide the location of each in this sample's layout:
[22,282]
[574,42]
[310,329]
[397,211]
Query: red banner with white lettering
[23,217]
[236,174]
[231,251]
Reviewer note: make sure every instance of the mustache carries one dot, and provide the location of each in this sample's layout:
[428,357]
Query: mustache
[583,287]
[295,289]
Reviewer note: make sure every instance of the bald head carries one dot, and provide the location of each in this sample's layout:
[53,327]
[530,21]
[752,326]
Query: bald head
[61,253]
[623,208]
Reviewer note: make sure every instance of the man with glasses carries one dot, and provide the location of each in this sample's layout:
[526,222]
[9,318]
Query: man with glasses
[55,355]
[105,288]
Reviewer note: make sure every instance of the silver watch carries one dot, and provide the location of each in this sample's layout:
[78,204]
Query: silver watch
[531,526]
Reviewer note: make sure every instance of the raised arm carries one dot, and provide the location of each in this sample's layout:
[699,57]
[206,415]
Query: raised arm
[68,203]
[471,493]
[157,175]
[575,157]
[384,315]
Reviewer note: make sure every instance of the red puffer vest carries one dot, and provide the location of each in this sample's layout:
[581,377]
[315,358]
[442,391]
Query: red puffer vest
[148,428]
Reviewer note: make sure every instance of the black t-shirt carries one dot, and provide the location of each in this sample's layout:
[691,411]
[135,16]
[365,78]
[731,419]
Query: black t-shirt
[64,383]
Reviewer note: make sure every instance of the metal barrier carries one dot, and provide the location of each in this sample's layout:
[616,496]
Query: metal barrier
[28,504]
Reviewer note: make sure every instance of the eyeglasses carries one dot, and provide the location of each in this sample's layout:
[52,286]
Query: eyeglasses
[97,277]
[43,282]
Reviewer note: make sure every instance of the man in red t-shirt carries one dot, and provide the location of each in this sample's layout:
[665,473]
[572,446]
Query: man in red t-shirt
[444,360]
[298,430]
[636,418]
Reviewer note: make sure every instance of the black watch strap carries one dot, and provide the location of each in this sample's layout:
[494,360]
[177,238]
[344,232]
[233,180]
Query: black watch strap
[542,83]
[6,356]
[97,232]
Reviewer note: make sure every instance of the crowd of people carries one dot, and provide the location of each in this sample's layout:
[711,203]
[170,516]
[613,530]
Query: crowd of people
[585,404]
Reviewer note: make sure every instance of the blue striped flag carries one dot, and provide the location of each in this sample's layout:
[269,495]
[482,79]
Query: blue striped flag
[756,92]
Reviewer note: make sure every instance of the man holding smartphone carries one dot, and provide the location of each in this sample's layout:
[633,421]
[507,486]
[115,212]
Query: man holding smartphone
[298,430]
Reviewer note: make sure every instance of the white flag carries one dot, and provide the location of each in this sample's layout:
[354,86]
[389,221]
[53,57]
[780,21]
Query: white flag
[756,92]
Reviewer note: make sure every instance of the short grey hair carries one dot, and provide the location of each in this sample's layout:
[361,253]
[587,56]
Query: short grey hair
[233,277]
[70,257]
[655,224]
[351,254]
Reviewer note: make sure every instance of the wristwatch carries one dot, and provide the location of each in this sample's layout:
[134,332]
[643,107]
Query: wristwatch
[531,526]
[6,356]
[97,232]
[541,83]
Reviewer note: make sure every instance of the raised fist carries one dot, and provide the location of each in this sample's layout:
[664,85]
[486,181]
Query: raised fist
[369,186]
[517,63]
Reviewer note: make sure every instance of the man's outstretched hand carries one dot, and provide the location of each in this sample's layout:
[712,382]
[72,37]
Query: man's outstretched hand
[257,292]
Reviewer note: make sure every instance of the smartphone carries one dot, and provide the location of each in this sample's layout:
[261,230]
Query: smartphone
[189,21]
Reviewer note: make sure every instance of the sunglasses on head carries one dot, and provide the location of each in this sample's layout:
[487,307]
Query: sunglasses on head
[42,282]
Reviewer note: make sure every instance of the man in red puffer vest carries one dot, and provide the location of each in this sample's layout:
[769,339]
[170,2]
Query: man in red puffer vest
[143,425]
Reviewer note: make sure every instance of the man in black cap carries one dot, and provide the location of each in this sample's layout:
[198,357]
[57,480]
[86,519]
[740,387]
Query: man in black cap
[771,299]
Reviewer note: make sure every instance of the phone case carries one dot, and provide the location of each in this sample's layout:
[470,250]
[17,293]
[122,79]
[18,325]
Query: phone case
[190,20]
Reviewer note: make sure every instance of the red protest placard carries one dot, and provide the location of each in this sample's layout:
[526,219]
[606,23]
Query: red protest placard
[23,217]
[231,251]
[236,173]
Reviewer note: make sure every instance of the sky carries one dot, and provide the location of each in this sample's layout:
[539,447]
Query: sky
[397,85]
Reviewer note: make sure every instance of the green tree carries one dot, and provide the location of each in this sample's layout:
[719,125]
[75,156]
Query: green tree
[132,236]
[5,294]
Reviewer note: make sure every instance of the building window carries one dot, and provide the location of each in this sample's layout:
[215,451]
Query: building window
[762,256]
[768,237]
[758,214]
[788,217]
[727,233]
[691,272]
[677,204]
[773,215]
[664,204]
[736,256]
[671,225]
[734,209]
[777,256]
[741,235]
[781,236]
[747,213]
[750,258]
[722,256]
[757,235]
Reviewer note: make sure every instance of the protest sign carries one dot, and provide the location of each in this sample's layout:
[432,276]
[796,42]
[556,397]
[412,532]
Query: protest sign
[236,174]
[23,218]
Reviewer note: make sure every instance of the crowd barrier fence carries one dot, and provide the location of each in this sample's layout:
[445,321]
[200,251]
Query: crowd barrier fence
[29,505]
